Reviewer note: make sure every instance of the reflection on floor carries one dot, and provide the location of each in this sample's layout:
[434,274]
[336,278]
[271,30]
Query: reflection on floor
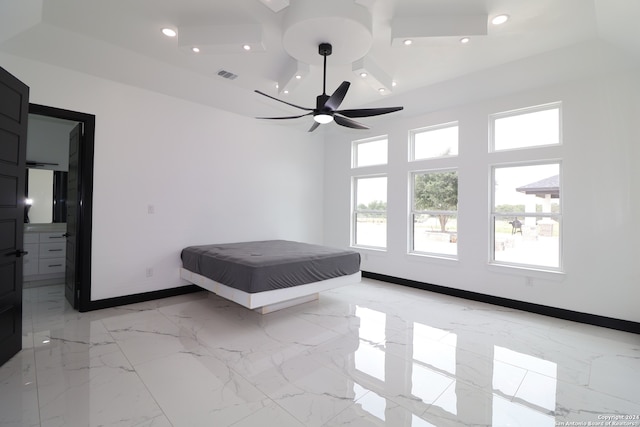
[367,354]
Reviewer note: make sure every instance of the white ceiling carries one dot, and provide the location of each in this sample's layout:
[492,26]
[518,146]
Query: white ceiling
[121,40]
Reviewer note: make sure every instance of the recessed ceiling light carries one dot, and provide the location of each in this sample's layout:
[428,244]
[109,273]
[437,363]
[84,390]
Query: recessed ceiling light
[246,47]
[407,42]
[298,76]
[465,40]
[500,19]
[195,49]
[393,84]
[169,32]
[277,85]
[363,74]
[285,92]
[381,90]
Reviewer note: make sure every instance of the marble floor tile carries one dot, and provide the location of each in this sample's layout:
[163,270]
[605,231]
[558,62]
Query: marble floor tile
[371,354]
[311,392]
[197,390]
[19,391]
[148,335]
[80,384]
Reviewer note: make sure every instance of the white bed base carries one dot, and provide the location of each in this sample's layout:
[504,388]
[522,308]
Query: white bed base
[269,301]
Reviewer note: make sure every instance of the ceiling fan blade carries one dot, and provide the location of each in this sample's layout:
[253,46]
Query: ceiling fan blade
[368,112]
[285,117]
[314,126]
[336,98]
[284,102]
[343,121]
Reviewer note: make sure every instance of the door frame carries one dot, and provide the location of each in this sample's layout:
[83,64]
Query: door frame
[85,197]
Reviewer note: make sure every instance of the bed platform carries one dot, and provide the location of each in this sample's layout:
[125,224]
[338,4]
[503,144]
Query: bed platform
[269,275]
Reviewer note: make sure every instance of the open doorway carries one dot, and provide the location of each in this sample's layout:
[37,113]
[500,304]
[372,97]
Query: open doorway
[68,162]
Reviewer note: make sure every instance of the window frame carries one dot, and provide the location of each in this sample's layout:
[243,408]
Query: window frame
[354,151]
[413,212]
[355,211]
[558,216]
[520,111]
[412,142]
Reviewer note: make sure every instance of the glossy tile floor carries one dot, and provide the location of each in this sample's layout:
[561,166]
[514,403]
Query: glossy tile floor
[371,354]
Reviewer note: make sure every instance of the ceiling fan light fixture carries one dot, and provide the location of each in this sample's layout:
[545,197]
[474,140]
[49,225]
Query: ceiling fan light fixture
[323,118]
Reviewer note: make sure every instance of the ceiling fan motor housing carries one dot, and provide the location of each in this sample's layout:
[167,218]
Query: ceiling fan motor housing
[320,104]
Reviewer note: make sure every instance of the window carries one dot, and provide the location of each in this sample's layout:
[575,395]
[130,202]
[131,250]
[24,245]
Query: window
[370,152]
[370,211]
[526,215]
[434,211]
[434,141]
[530,127]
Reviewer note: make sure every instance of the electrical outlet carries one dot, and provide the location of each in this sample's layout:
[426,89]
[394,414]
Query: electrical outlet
[149,271]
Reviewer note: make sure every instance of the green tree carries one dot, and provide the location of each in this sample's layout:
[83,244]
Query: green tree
[375,205]
[509,208]
[437,191]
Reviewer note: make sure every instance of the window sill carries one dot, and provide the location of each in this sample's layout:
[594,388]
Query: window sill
[435,258]
[368,248]
[521,271]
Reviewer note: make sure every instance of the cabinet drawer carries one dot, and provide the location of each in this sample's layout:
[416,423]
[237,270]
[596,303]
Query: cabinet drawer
[52,265]
[31,238]
[52,237]
[52,250]
[33,251]
[30,266]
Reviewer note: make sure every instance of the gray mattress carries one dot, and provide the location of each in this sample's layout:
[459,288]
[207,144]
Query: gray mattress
[273,264]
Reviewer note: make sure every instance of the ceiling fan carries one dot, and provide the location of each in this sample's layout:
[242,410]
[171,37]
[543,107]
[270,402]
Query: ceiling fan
[326,109]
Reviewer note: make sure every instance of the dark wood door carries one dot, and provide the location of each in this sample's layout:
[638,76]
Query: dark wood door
[14,110]
[71,274]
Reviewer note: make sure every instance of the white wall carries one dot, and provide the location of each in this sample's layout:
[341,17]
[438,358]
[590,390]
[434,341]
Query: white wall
[210,176]
[600,193]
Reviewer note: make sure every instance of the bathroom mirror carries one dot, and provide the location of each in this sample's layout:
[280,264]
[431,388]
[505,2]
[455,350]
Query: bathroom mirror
[47,166]
[46,196]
